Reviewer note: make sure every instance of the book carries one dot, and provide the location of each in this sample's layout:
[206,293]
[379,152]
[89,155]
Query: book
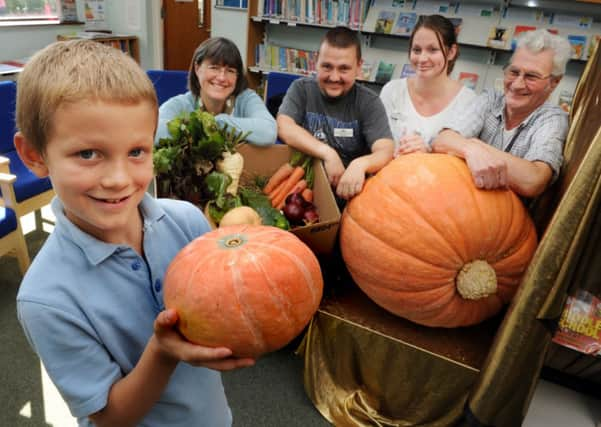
[469,80]
[407,71]
[497,38]
[580,324]
[366,70]
[405,23]
[68,11]
[385,22]
[565,100]
[384,72]
[595,38]
[577,42]
[519,29]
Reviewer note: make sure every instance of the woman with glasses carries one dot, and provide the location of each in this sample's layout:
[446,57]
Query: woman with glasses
[515,139]
[217,84]
[418,106]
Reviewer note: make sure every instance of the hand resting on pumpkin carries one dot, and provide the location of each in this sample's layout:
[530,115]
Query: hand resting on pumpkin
[174,346]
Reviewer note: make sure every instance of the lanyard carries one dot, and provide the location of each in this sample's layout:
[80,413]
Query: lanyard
[500,126]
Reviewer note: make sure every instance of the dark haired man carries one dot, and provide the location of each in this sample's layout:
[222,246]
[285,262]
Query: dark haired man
[332,118]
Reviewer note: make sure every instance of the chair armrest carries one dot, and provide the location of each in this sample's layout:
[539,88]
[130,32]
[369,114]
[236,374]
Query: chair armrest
[4,162]
[8,198]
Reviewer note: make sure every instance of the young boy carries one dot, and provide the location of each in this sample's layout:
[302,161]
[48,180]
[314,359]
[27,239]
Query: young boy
[92,304]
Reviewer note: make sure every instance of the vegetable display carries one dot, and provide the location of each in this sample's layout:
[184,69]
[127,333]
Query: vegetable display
[249,288]
[198,162]
[425,244]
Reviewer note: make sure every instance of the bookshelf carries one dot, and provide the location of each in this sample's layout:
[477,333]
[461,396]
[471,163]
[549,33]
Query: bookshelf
[480,54]
[128,44]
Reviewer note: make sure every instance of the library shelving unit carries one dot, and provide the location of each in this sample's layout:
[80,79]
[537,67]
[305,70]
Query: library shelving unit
[279,30]
[128,44]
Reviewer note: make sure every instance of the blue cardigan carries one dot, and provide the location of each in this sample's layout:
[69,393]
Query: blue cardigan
[250,114]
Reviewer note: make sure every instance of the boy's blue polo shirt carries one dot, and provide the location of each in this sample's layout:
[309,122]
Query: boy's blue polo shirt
[88,307]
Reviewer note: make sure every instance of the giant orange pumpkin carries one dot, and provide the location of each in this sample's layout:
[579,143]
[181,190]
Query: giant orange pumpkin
[424,243]
[249,288]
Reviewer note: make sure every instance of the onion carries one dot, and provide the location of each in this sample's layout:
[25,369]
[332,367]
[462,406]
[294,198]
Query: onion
[294,212]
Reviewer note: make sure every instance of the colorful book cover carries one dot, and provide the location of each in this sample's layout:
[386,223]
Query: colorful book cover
[519,29]
[405,23]
[469,80]
[578,43]
[497,38]
[580,324]
[384,72]
[593,42]
[385,22]
[565,100]
[407,71]
[366,69]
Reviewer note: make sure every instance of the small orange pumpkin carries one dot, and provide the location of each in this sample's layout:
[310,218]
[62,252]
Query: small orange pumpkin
[425,244]
[249,288]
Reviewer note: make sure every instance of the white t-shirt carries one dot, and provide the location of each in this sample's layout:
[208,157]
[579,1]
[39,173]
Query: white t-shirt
[404,119]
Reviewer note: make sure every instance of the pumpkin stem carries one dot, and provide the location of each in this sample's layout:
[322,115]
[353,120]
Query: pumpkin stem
[232,241]
[476,280]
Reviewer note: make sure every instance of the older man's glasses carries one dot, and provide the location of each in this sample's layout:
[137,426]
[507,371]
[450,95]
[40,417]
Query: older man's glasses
[228,72]
[513,73]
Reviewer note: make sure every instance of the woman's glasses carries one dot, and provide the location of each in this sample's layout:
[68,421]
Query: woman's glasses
[228,72]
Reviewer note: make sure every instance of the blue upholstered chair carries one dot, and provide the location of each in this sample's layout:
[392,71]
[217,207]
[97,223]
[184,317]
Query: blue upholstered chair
[275,88]
[30,192]
[12,241]
[168,83]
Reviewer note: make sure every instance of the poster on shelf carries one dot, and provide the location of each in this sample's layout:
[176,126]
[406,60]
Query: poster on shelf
[94,16]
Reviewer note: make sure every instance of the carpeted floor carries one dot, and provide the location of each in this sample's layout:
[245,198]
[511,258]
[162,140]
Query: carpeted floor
[268,394]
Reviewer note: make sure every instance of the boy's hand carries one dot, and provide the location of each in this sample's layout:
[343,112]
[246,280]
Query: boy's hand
[351,182]
[174,346]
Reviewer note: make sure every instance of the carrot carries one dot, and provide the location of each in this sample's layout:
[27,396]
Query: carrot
[290,182]
[278,190]
[278,176]
[298,188]
[307,194]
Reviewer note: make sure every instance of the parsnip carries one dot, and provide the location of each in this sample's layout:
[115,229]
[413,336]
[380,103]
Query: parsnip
[232,165]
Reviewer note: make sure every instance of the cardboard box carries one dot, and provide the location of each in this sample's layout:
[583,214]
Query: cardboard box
[264,161]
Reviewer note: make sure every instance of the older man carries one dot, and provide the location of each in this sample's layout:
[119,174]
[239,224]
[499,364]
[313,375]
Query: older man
[515,139]
[334,119]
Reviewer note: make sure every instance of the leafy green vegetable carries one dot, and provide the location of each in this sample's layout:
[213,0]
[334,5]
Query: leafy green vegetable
[261,203]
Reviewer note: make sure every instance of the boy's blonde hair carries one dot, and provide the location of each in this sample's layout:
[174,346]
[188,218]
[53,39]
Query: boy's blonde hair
[72,71]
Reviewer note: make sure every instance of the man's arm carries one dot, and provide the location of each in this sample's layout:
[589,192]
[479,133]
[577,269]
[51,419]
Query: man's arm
[493,168]
[299,138]
[351,182]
